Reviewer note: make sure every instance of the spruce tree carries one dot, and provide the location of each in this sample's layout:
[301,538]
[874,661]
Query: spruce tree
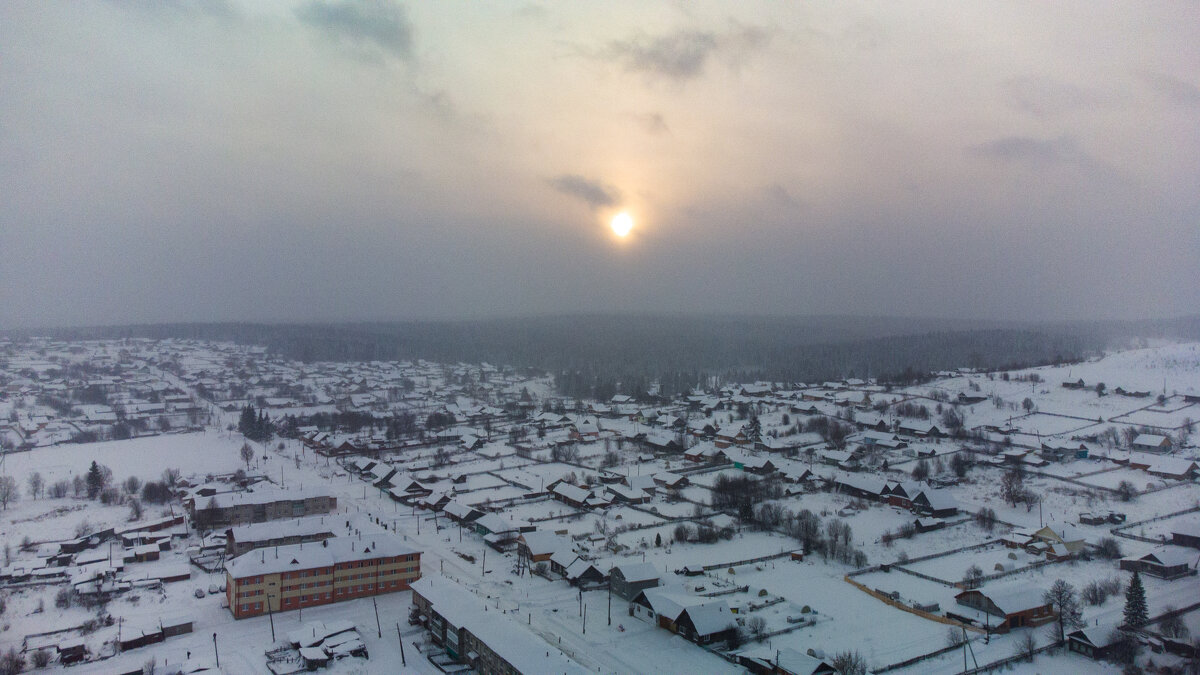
[246,422]
[95,480]
[1136,612]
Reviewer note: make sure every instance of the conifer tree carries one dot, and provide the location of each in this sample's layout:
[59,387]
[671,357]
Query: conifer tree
[1136,612]
[95,480]
[246,422]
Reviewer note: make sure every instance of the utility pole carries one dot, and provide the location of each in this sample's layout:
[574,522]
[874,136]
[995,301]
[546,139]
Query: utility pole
[964,636]
[401,638]
[271,616]
[610,603]
[378,628]
[215,652]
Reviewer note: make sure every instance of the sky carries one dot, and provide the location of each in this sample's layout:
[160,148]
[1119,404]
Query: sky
[326,160]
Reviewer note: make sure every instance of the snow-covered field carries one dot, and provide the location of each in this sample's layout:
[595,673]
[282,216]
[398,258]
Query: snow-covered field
[210,452]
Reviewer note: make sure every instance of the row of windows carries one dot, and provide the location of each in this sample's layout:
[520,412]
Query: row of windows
[326,570]
[349,577]
[291,601]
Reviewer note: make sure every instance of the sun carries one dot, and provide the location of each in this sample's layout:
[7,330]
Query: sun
[622,224]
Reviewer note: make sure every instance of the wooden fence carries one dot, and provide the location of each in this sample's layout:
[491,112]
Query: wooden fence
[911,610]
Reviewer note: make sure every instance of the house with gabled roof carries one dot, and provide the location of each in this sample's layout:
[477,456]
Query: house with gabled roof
[900,494]
[706,622]
[584,573]
[919,428]
[863,487]
[461,513]
[883,439]
[935,503]
[1096,640]
[571,495]
[1015,605]
[669,480]
[733,436]
[1165,563]
[764,660]
[539,546]
[561,559]
[628,495]
[1063,451]
[1177,468]
[1186,533]
[629,579]
[1071,538]
[1151,443]
[704,451]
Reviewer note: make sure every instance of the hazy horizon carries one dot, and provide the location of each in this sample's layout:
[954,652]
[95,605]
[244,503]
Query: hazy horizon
[323,161]
[962,323]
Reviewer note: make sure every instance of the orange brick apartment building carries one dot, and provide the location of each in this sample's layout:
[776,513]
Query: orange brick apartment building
[305,575]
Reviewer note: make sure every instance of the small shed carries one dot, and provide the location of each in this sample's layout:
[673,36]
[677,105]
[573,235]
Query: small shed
[314,658]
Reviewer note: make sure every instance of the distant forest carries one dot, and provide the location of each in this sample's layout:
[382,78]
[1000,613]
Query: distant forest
[600,355]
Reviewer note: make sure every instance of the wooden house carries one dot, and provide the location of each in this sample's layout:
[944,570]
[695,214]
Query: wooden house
[630,579]
[1015,606]
[1165,563]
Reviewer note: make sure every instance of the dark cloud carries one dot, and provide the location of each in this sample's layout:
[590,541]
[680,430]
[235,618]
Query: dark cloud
[1047,97]
[679,56]
[683,55]
[778,195]
[1175,89]
[1061,150]
[374,24]
[592,192]
[652,123]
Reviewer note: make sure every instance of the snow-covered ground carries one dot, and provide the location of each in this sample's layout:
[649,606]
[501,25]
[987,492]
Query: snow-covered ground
[842,616]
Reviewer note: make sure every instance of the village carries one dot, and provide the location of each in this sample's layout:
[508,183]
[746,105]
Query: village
[189,506]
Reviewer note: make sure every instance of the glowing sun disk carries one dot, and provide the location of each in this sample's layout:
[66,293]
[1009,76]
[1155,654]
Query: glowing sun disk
[622,224]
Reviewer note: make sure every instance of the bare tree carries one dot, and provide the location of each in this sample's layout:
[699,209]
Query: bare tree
[849,663]
[1172,626]
[247,454]
[36,484]
[1063,600]
[973,577]
[1012,486]
[1126,491]
[1026,646]
[8,491]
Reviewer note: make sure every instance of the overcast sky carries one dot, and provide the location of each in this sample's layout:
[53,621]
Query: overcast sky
[324,160]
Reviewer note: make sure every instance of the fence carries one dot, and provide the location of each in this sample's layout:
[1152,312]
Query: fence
[911,610]
[1030,567]
[1012,659]
[1119,531]
[925,577]
[917,659]
[748,561]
